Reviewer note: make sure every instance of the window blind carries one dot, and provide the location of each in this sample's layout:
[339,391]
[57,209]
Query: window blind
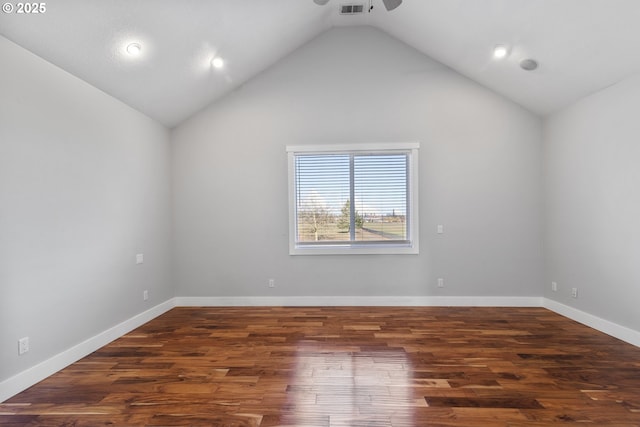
[352,197]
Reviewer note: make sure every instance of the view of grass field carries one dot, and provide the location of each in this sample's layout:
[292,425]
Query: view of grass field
[370,231]
[388,230]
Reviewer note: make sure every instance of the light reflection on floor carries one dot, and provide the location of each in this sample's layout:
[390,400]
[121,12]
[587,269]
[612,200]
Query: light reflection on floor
[340,387]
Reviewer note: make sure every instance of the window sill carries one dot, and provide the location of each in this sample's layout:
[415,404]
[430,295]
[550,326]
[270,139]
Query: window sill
[354,250]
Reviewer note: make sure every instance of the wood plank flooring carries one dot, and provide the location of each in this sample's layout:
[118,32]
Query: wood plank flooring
[345,366]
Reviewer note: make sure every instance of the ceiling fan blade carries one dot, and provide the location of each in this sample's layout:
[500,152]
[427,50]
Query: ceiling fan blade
[389,4]
[321,2]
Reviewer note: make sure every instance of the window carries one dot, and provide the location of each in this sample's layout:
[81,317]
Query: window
[356,199]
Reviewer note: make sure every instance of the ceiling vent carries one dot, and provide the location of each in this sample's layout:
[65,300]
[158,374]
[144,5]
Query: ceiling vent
[351,9]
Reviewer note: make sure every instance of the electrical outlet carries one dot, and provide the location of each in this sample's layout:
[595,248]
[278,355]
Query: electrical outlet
[440,282]
[440,229]
[23,345]
[574,292]
[554,286]
[272,283]
[145,295]
[139,258]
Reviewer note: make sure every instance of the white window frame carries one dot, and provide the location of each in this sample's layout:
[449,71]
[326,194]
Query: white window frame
[357,248]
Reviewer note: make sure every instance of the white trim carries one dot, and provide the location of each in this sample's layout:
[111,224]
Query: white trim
[366,146]
[359,301]
[605,326]
[291,173]
[42,370]
[361,248]
[367,249]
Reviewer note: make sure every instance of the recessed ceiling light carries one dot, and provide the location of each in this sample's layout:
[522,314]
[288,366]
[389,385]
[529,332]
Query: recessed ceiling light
[217,62]
[500,51]
[134,49]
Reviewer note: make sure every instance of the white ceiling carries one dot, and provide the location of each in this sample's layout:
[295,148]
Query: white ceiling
[582,45]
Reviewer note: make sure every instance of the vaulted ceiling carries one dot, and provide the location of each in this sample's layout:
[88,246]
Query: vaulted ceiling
[581,46]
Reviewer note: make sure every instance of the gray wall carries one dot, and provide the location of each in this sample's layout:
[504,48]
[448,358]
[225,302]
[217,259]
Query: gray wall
[480,176]
[84,186]
[592,215]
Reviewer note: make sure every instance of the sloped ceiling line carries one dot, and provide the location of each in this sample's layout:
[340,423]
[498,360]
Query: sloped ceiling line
[582,46]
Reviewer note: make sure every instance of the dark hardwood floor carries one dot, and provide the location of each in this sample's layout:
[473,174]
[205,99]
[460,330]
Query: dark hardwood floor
[338,366]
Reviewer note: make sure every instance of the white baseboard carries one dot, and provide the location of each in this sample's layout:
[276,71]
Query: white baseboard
[618,331]
[359,301]
[37,373]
